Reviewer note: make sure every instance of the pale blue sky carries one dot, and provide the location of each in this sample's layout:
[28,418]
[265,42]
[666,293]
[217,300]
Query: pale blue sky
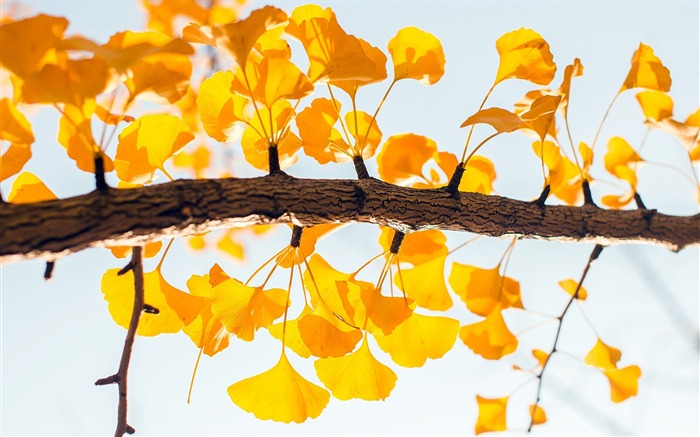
[58,338]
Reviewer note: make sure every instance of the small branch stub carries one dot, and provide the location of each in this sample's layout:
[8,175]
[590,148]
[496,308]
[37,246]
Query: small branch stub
[274,159]
[360,167]
[297,232]
[456,179]
[100,182]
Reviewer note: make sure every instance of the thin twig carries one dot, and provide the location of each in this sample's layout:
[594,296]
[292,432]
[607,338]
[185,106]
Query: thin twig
[594,255]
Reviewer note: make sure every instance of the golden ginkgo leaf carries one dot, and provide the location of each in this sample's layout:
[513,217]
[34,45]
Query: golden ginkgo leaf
[25,42]
[75,135]
[500,119]
[13,160]
[537,415]
[624,382]
[356,376]
[484,290]
[417,247]
[418,55]
[647,71]
[425,284]
[403,156]
[291,334]
[656,105]
[603,356]
[221,110]
[14,126]
[27,188]
[70,81]
[492,414]
[206,332]
[489,338]
[569,285]
[524,54]
[280,394]
[271,79]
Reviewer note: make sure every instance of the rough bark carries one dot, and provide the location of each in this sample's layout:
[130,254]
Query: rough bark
[185,207]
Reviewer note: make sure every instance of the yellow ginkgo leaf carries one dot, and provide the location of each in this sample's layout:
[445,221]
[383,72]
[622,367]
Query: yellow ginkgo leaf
[110,118]
[320,139]
[75,135]
[255,146]
[325,334]
[539,114]
[417,247]
[221,110]
[292,334]
[492,414]
[403,156]
[489,338]
[377,58]
[479,175]
[367,138]
[537,414]
[13,160]
[243,309]
[356,376]
[624,383]
[484,290]
[198,160]
[14,126]
[563,176]
[372,310]
[500,119]
[27,188]
[603,356]
[146,144]
[647,71]
[25,42]
[272,79]
[307,245]
[418,338]
[149,250]
[524,54]
[175,307]
[418,55]
[571,71]
[656,105]
[541,356]
[205,331]
[229,246]
[322,279]
[161,15]
[280,394]
[425,284]
[569,285]
[618,158]
[73,82]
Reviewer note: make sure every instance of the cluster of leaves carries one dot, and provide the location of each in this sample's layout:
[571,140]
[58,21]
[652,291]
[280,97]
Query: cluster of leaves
[258,102]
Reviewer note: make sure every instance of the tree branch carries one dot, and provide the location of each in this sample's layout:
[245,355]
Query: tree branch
[185,207]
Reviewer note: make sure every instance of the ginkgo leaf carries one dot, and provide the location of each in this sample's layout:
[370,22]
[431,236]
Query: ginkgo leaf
[418,338]
[425,284]
[569,285]
[417,247]
[333,54]
[162,14]
[280,394]
[256,137]
[403,156]
[489,338]
[418,55]
[537,414]
[322,279]
[14,126]
[540,116]
[73,82]
[374,311]
[484,290]
[243,309]
[647,71]
[367,137]
[656,105]
[146,144]
[541,356]
[377,58]
[198,160]
[273,79]
[603,356]
[492,414]
[571,71]
[307,245]
[618,158]
[109,118]
[500,119]
[624,382]
[75,135]
[524,54]
[27,188]
[229,246]
[175,307]
[479,175]
[320,139]
[149,250]
[221,110]
[292,334]
[564,177]
[325,334]
[206,332]
[356,376]
[25,42]
[13,160]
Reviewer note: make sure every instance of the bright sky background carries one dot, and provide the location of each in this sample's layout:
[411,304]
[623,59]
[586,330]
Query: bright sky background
[58,338]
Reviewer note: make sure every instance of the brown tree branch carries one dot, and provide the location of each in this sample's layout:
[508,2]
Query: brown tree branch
[185,207]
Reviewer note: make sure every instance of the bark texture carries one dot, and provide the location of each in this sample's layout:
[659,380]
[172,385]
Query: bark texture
[185,207]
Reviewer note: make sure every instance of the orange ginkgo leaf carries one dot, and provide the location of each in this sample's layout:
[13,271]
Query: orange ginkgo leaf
[206,331]
[325,334]
[149,250]
[239,37]
[75,135]
[14,126]
[569,285]
[500,119]
[656,105]
[268,80]
[425,284]
[603,356]
[356,376]
[647,71]
[70,81]
[484,290]
[222,111]
[524,54]
[571,71]
[280,394]
[320,139]
[146,144]
[243,309]
[418,55]
[13,160]
[333,54]
[27,188]
[619,160]
[541,356]
[372,310]
[255,147]
[489,338]
[175,307]
[418,338]
[539,112]
[320,278]
[563,176]
[307,245]
[163,14]
[624,382]
[417,247]
[403,156]
[376,58]
[24,43]
[492,414]
[110,118]
[537,414]
[198,160]
[292,334]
